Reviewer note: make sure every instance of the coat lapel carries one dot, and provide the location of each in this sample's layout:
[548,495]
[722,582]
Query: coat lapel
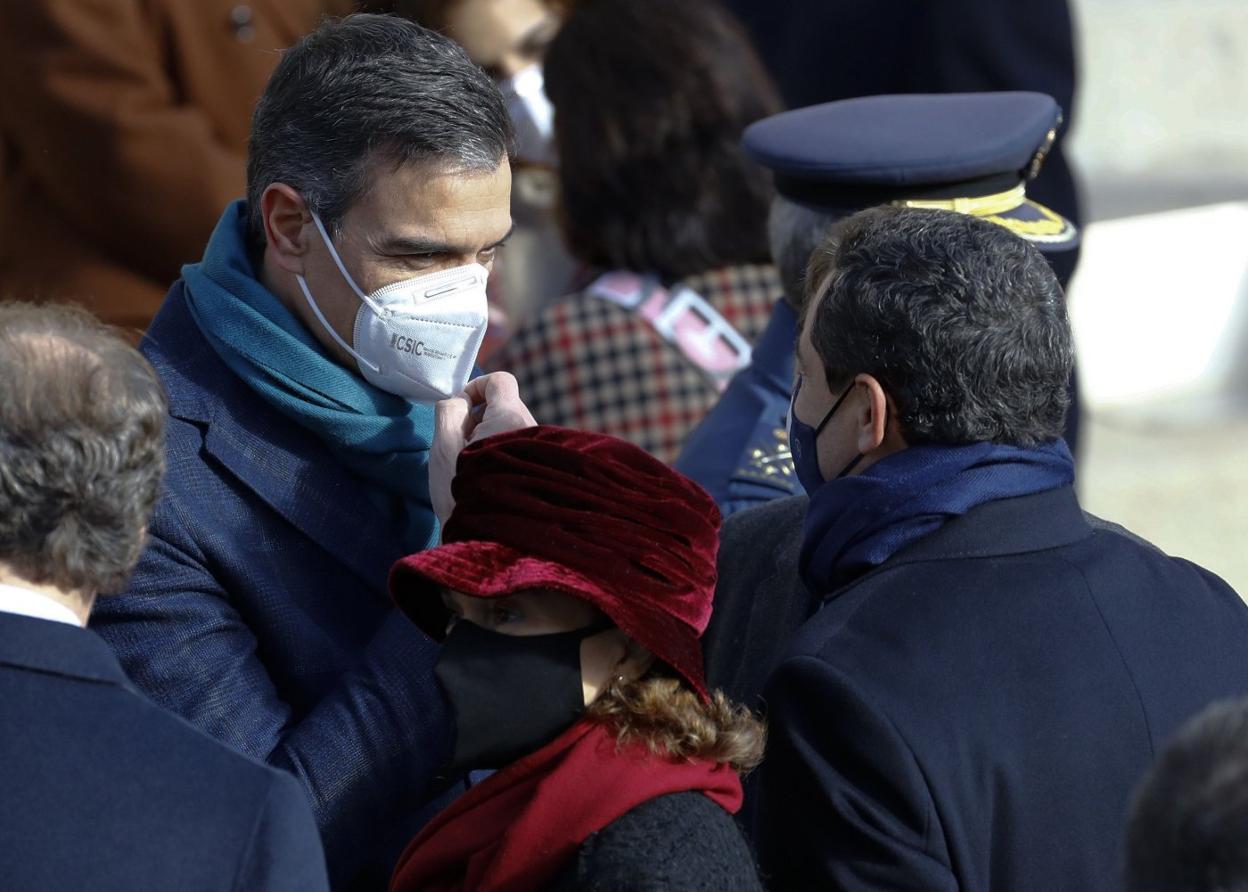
[286,466]
[299,479]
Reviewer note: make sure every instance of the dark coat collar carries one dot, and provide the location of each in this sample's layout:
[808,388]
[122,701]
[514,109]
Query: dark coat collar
[54,648]
[283,464]
[1008,526]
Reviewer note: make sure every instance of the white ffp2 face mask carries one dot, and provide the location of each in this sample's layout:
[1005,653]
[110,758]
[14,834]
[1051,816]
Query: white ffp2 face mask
[417,338]
[532,115]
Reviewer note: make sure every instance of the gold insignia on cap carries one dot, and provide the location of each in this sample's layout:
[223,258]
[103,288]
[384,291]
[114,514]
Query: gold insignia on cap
[1049,227]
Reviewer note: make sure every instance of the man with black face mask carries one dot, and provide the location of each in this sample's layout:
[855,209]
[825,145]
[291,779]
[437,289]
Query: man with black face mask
[988,670]
[974,153]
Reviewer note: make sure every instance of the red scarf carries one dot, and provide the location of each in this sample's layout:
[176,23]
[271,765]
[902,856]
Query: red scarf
[520,827]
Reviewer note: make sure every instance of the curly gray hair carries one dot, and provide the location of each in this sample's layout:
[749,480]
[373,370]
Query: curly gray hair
[82,419]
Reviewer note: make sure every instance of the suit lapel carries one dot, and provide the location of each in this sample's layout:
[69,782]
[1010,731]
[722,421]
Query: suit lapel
[286,466]
[296,476]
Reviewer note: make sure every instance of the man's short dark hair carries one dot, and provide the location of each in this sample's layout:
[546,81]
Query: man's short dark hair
[363,91]
[962,322]
[1189,823]
[82,449]
[651,98]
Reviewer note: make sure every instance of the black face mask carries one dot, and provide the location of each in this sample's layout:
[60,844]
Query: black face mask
[511,694]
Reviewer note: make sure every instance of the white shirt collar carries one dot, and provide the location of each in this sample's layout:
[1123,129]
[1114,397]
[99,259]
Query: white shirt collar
[25,602]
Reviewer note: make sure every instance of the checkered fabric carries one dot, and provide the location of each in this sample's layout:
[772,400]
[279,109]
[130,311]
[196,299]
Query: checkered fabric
[587,363]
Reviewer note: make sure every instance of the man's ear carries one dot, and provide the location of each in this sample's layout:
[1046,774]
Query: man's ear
[874,414]
[286,217]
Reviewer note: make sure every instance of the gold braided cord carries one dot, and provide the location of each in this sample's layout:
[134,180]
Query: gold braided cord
[980,206]
[1049,227]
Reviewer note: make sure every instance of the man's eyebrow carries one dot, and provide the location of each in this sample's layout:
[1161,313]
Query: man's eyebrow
[401,245]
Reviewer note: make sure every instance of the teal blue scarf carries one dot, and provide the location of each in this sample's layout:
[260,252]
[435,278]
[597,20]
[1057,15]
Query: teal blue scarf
[380,437]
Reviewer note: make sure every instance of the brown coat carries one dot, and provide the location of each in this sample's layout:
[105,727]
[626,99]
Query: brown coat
[123,135]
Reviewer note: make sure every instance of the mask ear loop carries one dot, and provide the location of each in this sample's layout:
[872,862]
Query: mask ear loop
[307,294]
[824,423]
[333,252]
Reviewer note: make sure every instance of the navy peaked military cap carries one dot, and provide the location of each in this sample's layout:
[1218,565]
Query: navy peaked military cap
[966,152]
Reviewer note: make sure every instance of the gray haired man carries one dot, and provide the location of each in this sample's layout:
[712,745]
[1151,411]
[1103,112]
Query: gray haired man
[102,789]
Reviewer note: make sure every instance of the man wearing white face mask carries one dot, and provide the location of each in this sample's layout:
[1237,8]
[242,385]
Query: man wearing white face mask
[302,357]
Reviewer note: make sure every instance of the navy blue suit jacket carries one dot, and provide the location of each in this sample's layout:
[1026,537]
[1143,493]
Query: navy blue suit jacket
[974,713]
[103,790]
[259,611]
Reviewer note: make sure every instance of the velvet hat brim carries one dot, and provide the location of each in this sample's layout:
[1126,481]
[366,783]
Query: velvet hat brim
[490,570]
[581,513]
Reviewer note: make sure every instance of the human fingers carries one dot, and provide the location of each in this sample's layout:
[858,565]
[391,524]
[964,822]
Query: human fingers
[497,397]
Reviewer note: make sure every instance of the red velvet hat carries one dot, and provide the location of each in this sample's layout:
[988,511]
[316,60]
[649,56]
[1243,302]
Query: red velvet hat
[582,513]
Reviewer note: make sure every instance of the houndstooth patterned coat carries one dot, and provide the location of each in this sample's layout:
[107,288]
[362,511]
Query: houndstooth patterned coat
[594,364]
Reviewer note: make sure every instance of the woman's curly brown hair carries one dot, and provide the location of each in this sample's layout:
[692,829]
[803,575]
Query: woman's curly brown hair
[665,714]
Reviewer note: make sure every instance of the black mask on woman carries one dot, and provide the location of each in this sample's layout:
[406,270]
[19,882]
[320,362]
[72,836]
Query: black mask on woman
[511,694]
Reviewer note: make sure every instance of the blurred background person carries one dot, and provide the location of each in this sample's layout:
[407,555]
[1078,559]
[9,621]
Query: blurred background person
[1188,830]
[509,39]
[824,50]
[572,586]
[651,98]
[102,789]
[123,135]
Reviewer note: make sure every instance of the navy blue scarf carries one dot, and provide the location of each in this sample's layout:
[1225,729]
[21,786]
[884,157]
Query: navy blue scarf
[856,523]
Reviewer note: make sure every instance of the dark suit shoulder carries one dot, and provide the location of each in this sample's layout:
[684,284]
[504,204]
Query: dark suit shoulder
[749,540]
[675,842]
[183,741]
[1031,659]
[774,520]
[192,813]
[176,761]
